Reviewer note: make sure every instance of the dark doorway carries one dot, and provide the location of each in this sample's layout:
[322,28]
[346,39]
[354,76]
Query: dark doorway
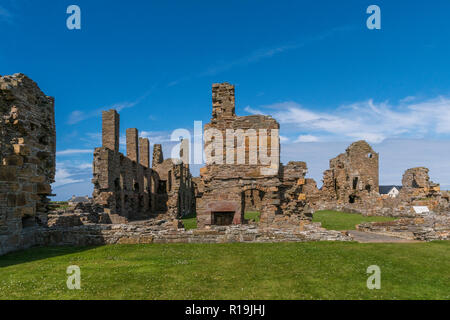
[223,218]
[162,187]
[28,222]
[355,183]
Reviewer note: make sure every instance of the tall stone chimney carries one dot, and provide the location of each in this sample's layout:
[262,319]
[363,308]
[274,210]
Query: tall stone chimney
[223,101]
[132,144]
[157,155]
[110,129]
[144,152]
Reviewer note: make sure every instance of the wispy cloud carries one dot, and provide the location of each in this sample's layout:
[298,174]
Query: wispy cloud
[307,138]
[78,115]
[261,54]
[74,151]
[72,173]
[265,53]
[366,120]
[63,177]
[253,111]
[156,136]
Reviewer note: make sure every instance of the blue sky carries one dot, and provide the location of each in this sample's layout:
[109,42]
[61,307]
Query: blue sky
[314,66]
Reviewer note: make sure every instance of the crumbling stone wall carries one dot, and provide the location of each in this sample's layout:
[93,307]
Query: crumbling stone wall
[122,185]
[126,187]
[226,186]
[296,191]
[419,190]
[418,178]
[175,194]
[27,160]
[249,183]
[353,176]
[424,228]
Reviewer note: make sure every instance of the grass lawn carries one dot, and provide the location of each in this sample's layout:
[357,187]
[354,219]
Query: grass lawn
[252,215]
[313,270]
[62,205]
[190,222]
[334,220]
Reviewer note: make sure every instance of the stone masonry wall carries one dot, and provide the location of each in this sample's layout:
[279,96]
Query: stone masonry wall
[425,228]
[175,194]
[123,185]
[127,188]
[27,160]
[166,231]
[226,186]
[353,176]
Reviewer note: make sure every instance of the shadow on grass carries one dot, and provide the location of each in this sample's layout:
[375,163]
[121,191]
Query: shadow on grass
[39,253]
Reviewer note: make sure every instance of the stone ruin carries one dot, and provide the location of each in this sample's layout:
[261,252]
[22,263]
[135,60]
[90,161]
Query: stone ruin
[419,190]
[353,175]
[27,160]
[127,188]
[138,202]
[244,172]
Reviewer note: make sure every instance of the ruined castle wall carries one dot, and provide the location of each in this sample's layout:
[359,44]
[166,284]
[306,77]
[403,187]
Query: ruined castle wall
[241,175]
[176,192]
[27,160]
[353,176]
[297,192]
[127,188]
[416,178]
[419,190]
[122,184]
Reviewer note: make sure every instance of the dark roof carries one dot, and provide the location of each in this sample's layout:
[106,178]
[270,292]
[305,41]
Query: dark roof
[386,189]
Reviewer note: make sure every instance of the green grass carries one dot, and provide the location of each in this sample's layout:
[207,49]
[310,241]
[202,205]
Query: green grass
[252,215]
[313,270]
[62,205]
[190,222]
[334,220]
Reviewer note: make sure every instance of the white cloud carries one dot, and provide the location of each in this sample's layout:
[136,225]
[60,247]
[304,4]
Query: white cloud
[84,166]
[253,111]
[367,120]
[156,136]
[78,116]
[72,172]
[307,138]
[63,177]
[260,54]
[74,151]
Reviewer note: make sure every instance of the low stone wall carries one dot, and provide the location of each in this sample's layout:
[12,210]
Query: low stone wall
[133,234]
[426,228]
[167,231]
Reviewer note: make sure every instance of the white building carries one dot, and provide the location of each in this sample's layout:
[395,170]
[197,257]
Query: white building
[390,191]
